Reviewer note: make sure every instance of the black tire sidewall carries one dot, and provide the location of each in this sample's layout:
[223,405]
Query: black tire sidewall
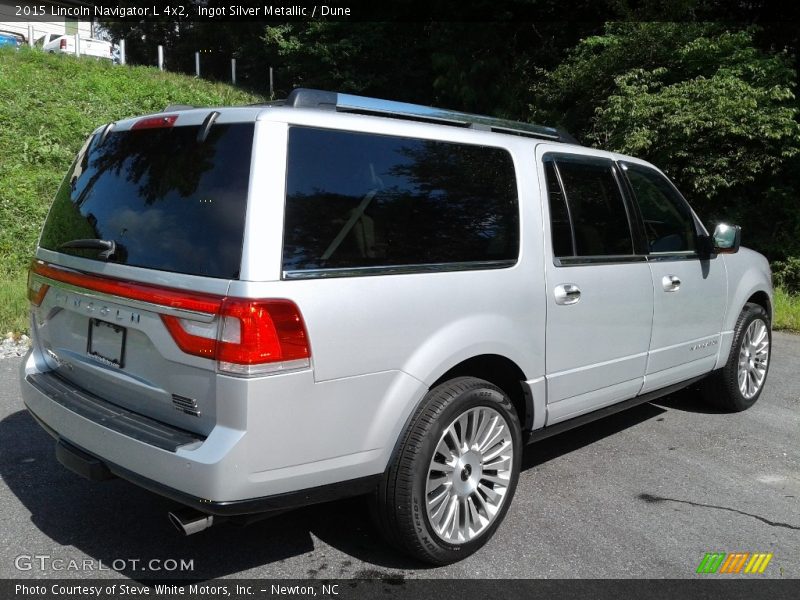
[482,394]
[750,313]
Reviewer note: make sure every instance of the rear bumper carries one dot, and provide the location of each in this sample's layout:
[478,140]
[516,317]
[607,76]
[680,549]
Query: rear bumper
[201,468]
[90,467]
[109,415]
[281,442]
[62,396]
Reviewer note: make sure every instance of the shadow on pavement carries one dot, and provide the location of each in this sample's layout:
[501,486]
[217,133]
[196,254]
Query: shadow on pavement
[115,520]
[575,439]
[689,400]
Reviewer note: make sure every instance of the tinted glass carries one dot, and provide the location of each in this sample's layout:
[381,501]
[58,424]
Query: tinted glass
[168,201]
[559,217]
[668,222]
[597,210]
[360,200]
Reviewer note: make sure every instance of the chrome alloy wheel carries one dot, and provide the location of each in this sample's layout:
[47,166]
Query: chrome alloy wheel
[469,475]
[753,358]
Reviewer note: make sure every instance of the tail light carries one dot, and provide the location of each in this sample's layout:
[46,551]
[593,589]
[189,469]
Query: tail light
[247,337]
[62,44]
[36,288]
[251,337]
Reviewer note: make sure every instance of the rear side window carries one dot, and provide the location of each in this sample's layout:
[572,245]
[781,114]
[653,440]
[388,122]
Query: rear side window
[356,200]
[560,228]
[592,199]
[167,200]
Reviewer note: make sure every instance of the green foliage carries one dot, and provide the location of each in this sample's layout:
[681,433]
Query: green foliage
[48,106]
[363,58]
[704,104]
[459,65]
[14,304]
[217,41]
[787,310]
[786,274]
[570,93]
[713,131]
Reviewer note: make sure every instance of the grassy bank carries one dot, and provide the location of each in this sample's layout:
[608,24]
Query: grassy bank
[48,105]
[13,304]
[787,311]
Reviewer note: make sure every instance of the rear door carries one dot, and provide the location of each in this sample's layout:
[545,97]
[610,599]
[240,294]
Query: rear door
[600,294]
[689,291]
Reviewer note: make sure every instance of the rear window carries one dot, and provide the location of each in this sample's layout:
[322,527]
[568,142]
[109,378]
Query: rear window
[167,200]
[361,201]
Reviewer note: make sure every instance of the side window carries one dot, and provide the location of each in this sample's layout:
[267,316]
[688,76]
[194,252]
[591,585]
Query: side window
[560,228]
[668,221]
[356,200]
[600,225]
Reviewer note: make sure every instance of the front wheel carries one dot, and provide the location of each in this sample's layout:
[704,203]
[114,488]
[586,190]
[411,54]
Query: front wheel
[452,480]
[737,386]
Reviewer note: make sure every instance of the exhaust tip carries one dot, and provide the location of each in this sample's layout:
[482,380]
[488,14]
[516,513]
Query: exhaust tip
[189,521]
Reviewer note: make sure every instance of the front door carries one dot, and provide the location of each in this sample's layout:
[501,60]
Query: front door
[689,292]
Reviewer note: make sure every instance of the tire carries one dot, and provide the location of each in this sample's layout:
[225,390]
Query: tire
[736,386]
[437,501]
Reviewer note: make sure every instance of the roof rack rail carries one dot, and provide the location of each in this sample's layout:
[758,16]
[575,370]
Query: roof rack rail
[307,98]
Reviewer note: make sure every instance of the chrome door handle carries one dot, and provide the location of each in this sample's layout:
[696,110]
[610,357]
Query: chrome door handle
[567,293]
[671,283]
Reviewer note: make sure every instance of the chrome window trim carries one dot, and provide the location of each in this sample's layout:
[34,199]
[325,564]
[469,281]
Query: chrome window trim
[397,270]
[673,256]
[580,261]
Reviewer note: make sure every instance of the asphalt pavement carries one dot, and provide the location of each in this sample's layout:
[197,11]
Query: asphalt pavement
[642,494]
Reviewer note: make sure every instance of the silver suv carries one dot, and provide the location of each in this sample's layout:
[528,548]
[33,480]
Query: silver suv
[254,308]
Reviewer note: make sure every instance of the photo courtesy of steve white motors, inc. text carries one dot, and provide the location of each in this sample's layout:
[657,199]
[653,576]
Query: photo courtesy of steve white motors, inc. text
[110,11]
[192,589]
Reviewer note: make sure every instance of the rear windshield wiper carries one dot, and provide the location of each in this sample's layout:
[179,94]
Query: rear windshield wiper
[108,247]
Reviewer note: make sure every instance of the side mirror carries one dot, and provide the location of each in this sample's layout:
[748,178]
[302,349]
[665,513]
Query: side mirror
[727,238]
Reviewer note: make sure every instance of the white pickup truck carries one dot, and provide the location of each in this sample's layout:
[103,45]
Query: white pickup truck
[52,42]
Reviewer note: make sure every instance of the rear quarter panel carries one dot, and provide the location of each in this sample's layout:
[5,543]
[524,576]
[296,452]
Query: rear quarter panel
[374,335]
[420,323]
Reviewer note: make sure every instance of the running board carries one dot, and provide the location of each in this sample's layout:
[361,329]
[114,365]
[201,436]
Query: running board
[546,432]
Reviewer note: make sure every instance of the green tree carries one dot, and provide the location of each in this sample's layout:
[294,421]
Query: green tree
[217,40]
[362,58]
[477,67]
[704,104]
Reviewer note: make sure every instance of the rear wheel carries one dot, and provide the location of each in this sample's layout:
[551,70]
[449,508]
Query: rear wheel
[739,383]
[452,480]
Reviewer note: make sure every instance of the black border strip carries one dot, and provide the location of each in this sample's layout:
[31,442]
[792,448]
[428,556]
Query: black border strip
[394,585]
